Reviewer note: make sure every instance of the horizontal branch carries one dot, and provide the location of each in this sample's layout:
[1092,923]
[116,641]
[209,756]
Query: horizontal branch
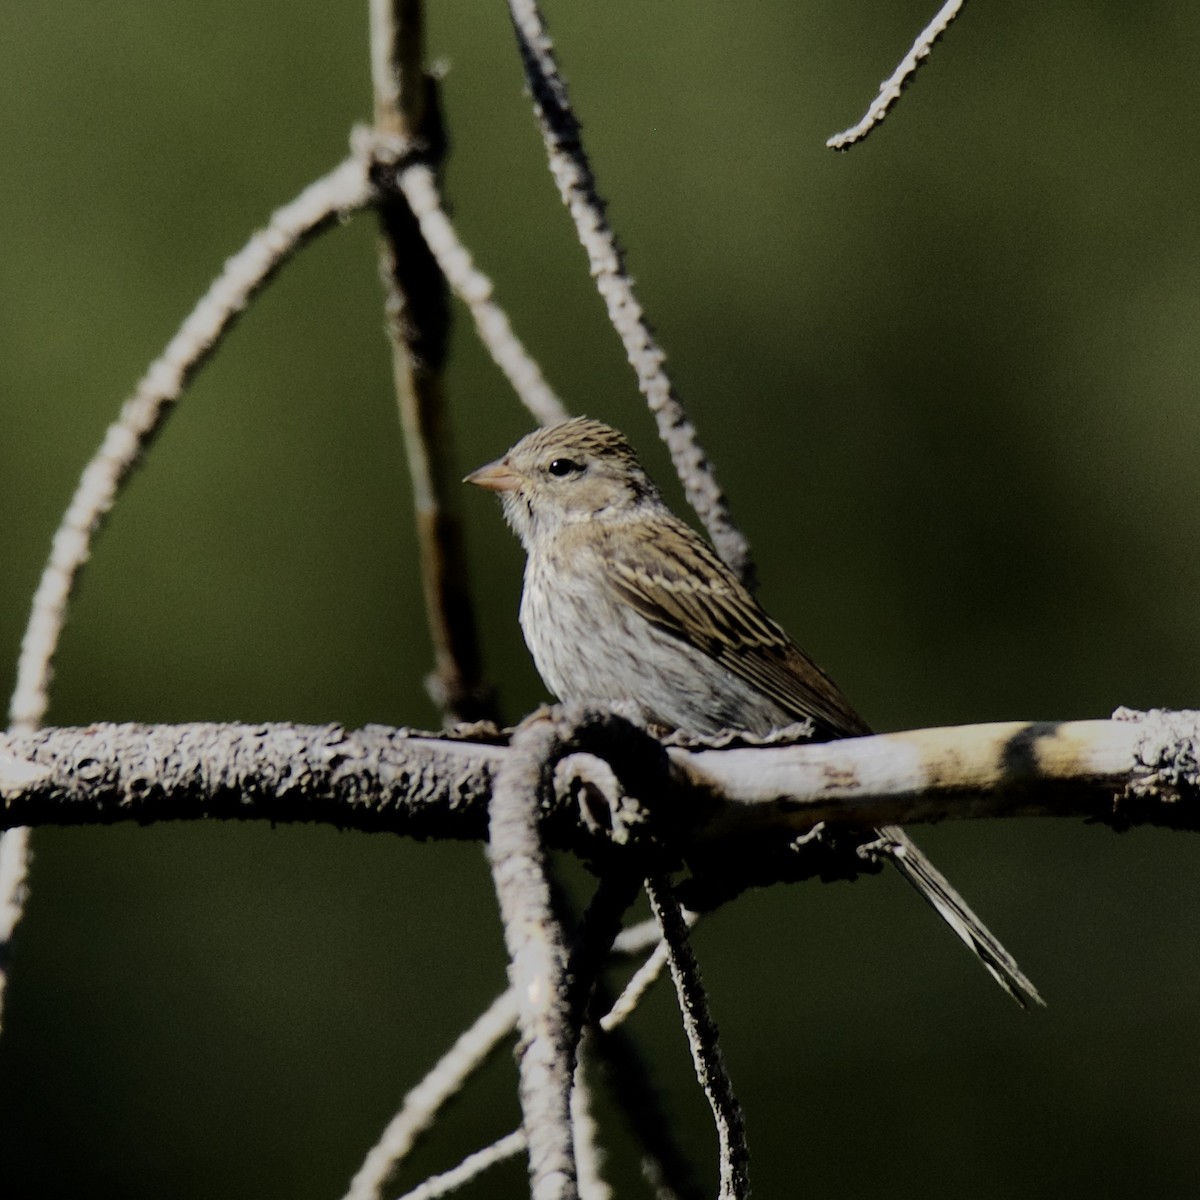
[376,778]
[1135,769]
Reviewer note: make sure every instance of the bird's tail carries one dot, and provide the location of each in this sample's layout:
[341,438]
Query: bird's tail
[935,889]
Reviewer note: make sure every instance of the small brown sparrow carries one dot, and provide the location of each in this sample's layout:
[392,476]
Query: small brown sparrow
[625,606]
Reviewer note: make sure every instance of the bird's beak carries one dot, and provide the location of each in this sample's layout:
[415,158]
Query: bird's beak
[496,477]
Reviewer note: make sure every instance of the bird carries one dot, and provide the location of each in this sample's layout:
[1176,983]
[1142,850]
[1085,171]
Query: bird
[625,606]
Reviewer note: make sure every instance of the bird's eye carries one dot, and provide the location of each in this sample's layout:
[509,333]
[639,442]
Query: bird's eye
[564,466]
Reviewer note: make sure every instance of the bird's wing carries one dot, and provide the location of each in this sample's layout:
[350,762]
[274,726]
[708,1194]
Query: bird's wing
[680,585]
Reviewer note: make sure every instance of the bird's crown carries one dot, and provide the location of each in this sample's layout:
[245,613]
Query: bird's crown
[580,437]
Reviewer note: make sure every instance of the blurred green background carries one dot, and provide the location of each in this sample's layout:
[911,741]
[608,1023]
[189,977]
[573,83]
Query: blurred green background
[949,382]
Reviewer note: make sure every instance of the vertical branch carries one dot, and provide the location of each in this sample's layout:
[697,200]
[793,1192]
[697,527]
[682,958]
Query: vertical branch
[15,857]
[418,317]
[577,185]
[588,1154]
[702,1038]
[537,954]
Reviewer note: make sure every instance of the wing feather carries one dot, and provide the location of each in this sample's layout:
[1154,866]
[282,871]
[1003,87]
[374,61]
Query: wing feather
[680,585]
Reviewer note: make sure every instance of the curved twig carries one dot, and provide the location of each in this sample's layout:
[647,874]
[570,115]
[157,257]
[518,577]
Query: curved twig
[322,204]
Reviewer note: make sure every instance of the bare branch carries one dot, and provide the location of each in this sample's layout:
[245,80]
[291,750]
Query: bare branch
[371,779]
[702,1038]
[398,66]
[408,118]
[901,77]
[577,185]
[1070,768]
[422,1105]
[1139,768]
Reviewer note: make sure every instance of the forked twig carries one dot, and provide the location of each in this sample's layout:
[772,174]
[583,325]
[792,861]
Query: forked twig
[702,1039]
[577,186]
[900,78]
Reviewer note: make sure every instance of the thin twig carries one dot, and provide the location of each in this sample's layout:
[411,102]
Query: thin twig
[901,77]
[475,289]
[322,204]
[398,65]
[639,984]
[664,1163]
[588,1155]
[577,186]
[595,936]
[418,319]
[473,1165]
[422,1105]
[702,1039]
[447,1078]
[537,961]
[645,976]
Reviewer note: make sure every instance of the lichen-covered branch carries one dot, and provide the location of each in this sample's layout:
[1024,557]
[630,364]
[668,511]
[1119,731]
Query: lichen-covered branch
[547,1036]
[1139,768]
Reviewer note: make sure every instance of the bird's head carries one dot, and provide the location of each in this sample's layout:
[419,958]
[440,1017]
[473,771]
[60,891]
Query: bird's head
[577,470]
